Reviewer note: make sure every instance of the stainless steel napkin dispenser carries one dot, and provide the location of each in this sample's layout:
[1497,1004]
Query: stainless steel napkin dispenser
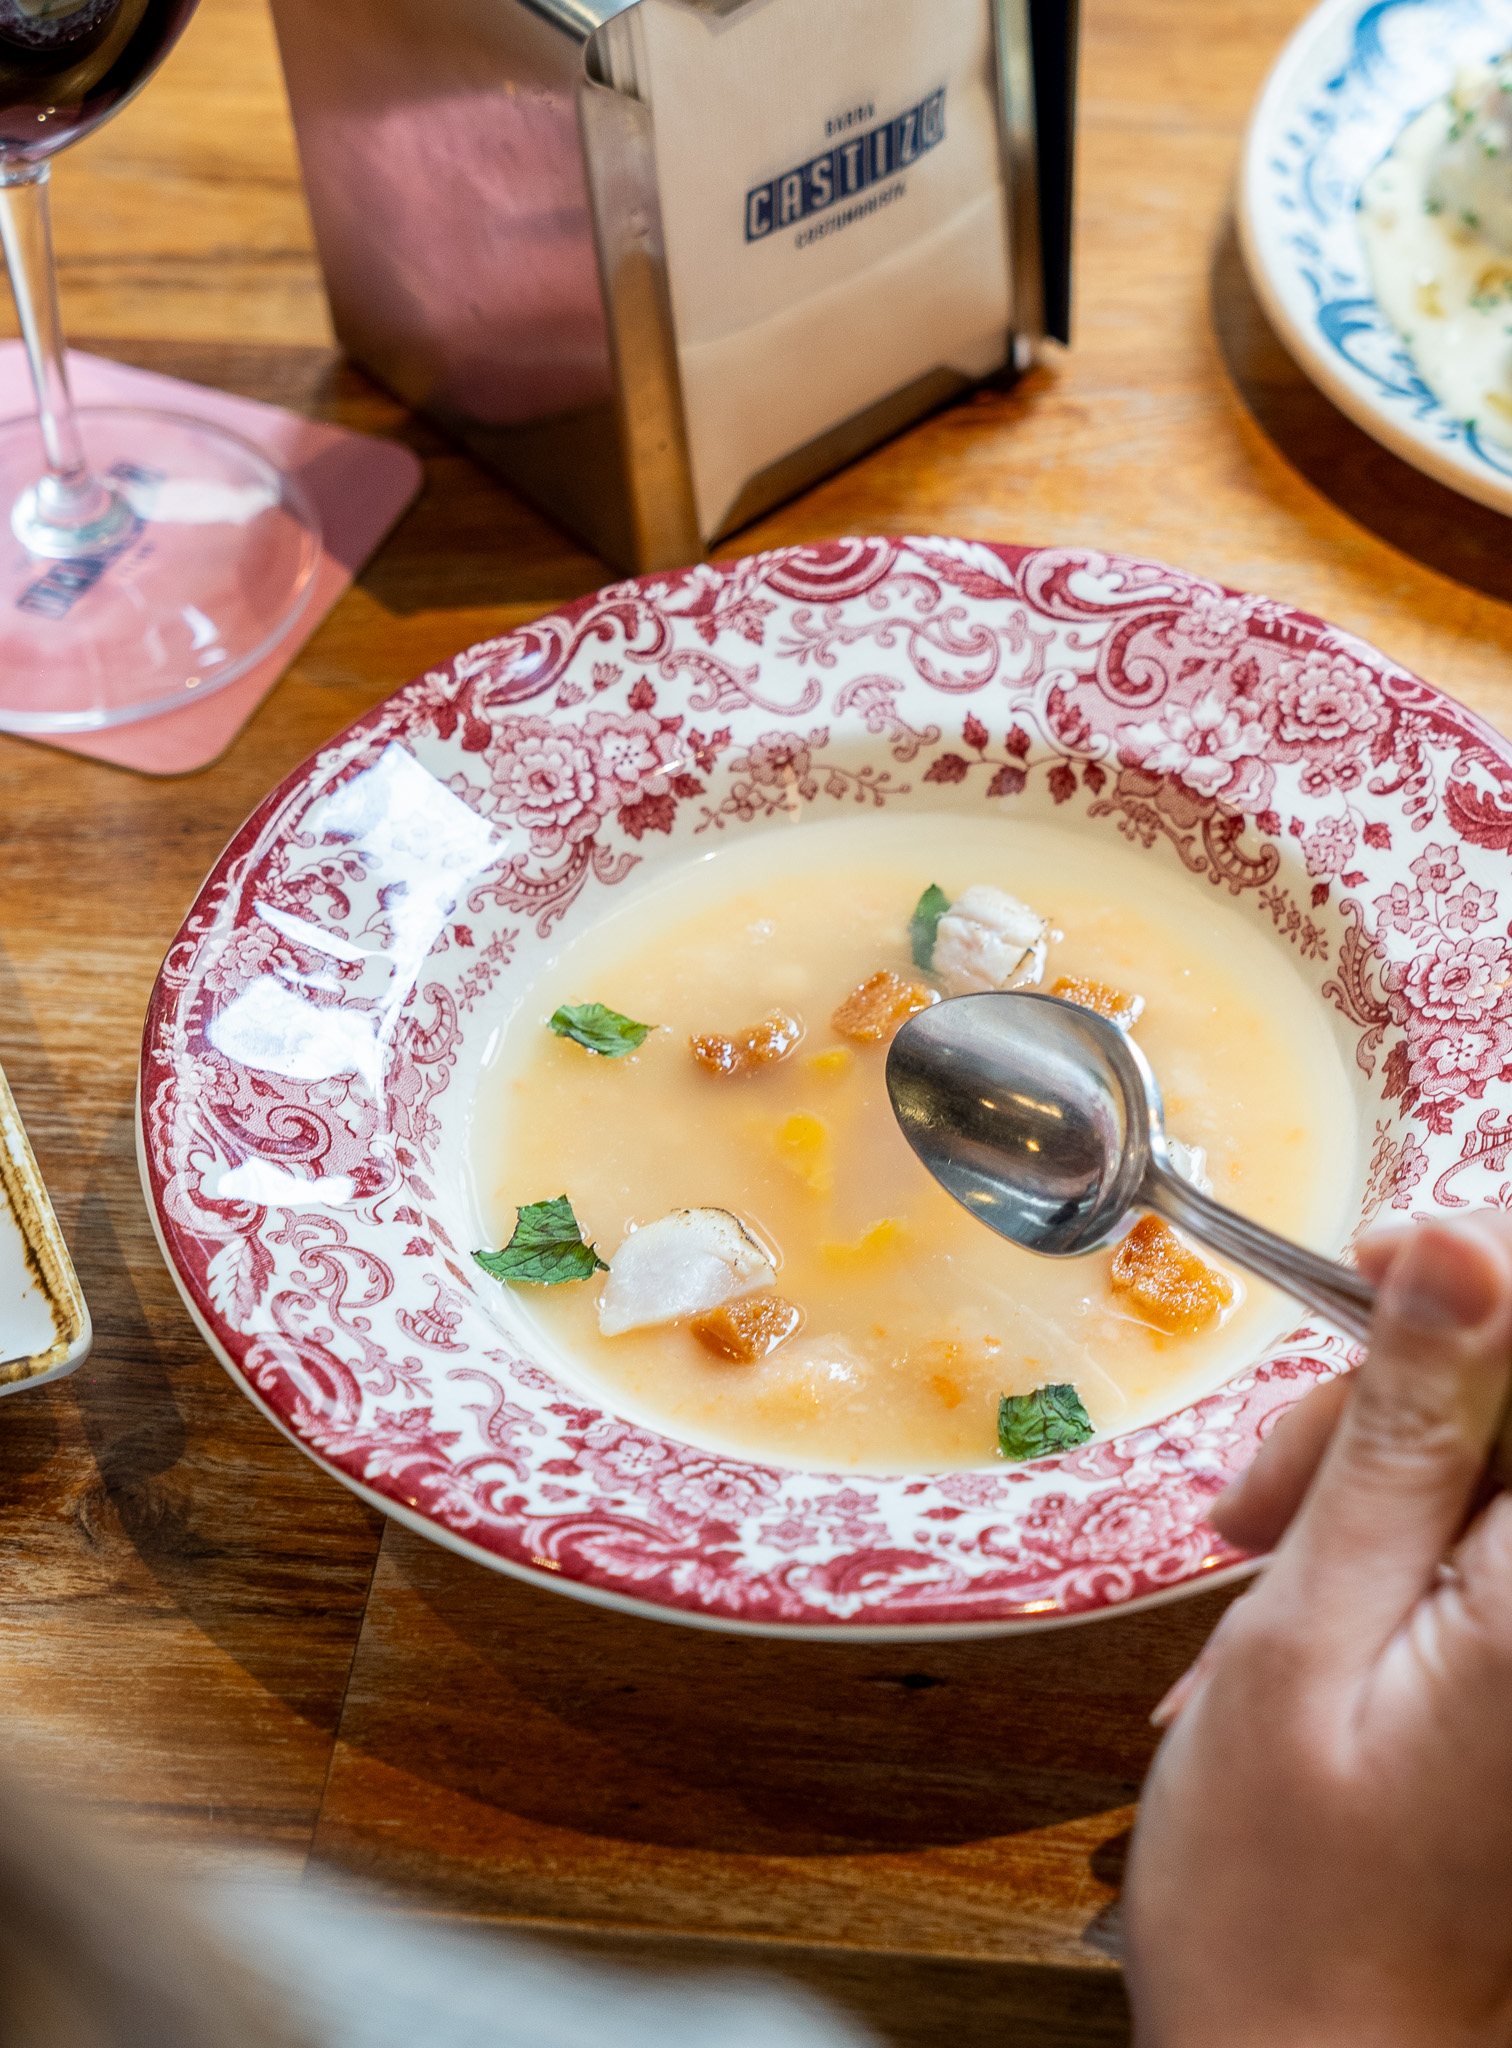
[663,263]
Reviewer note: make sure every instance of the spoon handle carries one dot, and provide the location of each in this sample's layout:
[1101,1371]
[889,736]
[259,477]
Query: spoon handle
[1338,1293]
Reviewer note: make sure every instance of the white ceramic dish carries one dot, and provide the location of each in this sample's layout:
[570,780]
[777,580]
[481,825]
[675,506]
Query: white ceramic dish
[44,1324]
[1342,90]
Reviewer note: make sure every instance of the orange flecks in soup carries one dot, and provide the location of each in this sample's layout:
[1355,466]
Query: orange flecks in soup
[803,1143]
[870,1247]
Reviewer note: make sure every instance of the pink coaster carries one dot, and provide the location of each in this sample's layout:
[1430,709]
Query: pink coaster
[358,485]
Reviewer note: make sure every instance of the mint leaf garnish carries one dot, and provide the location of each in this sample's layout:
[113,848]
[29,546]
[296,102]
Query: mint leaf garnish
[601,1029]
[924,925]
[1039,1424]
[546,1249]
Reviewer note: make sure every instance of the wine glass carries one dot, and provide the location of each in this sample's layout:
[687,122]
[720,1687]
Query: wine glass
[146,557]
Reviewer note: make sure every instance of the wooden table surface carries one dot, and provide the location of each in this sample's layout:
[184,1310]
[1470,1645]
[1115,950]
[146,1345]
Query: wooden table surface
[222,1648]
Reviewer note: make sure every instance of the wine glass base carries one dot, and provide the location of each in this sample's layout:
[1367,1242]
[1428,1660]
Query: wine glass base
[208,574]
[35,525]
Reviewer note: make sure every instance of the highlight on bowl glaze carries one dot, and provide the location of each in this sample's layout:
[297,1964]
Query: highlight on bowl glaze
[318,1027]
[1351,78]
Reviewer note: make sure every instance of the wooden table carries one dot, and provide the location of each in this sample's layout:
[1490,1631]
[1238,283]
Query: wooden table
[218,1645]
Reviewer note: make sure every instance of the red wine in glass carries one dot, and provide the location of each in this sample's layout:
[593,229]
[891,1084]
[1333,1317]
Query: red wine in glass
[150,554]
[65,67]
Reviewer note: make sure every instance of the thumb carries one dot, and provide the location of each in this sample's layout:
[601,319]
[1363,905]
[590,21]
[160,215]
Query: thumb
[1411,1447]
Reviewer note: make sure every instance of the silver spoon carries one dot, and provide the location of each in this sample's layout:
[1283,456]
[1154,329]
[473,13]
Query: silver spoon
[1046,1122]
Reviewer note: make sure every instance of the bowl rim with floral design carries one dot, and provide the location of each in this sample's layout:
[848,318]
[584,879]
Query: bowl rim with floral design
[320,1020]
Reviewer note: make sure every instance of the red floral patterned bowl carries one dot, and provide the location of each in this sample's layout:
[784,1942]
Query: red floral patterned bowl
[315,1035]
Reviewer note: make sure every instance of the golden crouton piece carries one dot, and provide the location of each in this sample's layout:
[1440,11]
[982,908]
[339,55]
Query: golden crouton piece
[762,1046]
[1112,1003]
[880,1005]
[748,1328]
[1168,1285]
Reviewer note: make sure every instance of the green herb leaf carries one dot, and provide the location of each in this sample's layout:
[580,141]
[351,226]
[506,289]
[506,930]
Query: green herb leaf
[546,1249]
[924,925]
[601,1029]
[1039,1424]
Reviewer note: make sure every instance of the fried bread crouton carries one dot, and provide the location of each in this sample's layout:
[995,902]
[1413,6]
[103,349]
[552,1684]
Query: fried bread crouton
[763,1045]
[748,1328]
[1167,1284]
[877,1008]
[1120,1009]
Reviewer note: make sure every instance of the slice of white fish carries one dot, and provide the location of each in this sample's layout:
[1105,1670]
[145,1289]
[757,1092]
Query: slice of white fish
[681,1265]
[988,939]
[1190,1161]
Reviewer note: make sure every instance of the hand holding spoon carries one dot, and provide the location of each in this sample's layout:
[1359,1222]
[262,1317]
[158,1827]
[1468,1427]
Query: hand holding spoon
[1045,1121]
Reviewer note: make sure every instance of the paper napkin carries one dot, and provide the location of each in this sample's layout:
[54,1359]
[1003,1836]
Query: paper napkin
[833,209]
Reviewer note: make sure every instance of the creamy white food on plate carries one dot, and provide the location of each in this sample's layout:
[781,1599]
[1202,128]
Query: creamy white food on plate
[1436,221]
[689,1177]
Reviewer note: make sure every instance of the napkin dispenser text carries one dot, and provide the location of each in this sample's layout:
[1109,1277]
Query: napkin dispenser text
[664,263]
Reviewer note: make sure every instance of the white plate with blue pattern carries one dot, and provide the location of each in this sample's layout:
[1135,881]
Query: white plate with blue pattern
[1343,89]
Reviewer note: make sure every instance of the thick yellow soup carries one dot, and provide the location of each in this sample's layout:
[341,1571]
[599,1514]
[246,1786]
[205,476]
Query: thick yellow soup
[915,1318]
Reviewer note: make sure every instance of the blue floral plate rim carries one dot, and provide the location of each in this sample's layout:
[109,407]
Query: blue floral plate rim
[1349,79]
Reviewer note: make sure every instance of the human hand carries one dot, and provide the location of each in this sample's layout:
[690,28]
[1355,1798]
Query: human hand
[1324,1850]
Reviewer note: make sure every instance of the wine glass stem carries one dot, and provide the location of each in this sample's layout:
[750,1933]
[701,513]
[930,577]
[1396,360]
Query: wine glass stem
[69,511]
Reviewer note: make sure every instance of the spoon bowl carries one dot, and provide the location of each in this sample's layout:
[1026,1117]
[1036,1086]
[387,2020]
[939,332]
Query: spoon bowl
[1030,1111]
[1046,1122]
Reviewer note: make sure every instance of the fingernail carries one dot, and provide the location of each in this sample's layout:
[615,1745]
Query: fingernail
[1230,1497]
[1442,1280]
[1175,1699]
